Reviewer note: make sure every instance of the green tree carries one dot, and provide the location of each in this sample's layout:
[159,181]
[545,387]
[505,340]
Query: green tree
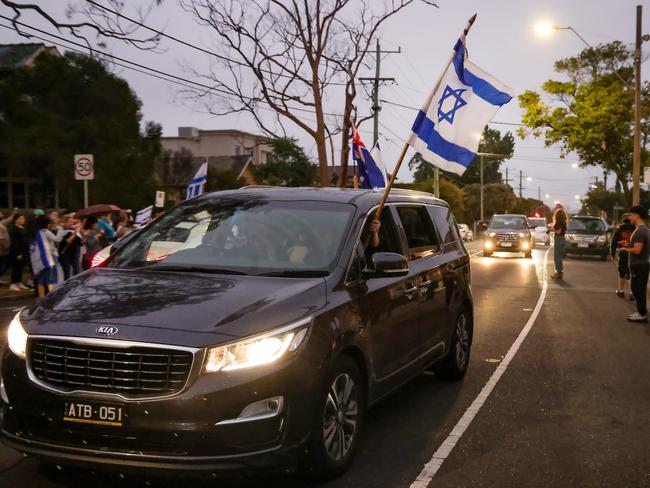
[449,192]
[493,142]
[287,165]
[66,105]
[497,198]
[591,112]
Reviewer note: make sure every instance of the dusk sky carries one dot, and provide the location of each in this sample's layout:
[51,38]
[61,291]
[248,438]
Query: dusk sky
[501,42]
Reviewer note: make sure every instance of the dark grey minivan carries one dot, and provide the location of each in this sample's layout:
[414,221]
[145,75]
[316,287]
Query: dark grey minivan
[243,329]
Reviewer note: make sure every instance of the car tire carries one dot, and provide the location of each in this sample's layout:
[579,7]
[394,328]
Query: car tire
[604,257]
[528,255]
[455,364]
[341,407]
[487,254]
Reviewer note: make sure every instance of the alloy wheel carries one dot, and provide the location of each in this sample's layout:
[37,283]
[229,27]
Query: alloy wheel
[462,341]
[340,416]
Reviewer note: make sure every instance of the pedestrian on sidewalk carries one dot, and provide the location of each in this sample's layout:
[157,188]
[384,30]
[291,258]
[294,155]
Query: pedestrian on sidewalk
[70,246]
[620,238]
[5,244]
[18,250]
[639,250]
[44,263]
[558,227]
[92,241]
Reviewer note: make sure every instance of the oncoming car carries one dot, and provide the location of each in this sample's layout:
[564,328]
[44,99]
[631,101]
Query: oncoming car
[508,233]
[588,236]
[247,329]
[540,231]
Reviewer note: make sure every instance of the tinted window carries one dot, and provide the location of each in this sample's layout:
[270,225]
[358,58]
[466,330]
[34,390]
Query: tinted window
[420,236]
[445,223]
[595,226]
[514,222]
[253,236]
[537,222]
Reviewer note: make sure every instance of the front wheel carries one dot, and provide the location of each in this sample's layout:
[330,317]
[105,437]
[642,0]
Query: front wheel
[339,420]
[487,254]
[454,366]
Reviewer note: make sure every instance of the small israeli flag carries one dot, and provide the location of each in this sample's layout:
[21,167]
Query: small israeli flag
[197,185]
[447,130]
[143,217]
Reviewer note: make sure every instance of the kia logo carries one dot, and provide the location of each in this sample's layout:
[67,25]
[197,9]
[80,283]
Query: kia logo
[106,330]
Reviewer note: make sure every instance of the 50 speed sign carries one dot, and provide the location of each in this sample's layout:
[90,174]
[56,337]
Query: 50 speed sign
[84,167]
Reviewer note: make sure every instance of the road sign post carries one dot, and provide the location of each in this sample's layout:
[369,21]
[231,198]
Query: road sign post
[84,170]
[160,199]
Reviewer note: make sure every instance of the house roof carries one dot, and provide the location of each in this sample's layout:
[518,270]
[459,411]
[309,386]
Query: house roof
[220,132]
[17,55]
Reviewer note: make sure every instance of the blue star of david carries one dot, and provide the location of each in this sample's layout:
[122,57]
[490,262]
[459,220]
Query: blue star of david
[449,92]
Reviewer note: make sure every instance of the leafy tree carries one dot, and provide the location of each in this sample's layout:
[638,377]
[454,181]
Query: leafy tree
[600,200]
[449,192]
[66,105]
[287,165]
[492,142]
[591,113]
[497,198]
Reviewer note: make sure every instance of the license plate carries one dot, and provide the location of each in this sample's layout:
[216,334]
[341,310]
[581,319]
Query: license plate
[583,244]
[506,244]
[93,413]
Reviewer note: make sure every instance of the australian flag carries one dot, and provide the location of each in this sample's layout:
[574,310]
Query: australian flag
[370,165]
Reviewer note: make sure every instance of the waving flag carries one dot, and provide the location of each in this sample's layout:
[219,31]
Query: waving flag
[370,165]
[196,186]
[448,128]
[143,216]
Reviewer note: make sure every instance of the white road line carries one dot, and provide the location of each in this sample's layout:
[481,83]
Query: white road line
[431,468]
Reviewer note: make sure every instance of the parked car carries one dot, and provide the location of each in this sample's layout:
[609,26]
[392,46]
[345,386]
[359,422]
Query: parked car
[540,230]
[508,233]
[246,329]
[465,232]
[588,236]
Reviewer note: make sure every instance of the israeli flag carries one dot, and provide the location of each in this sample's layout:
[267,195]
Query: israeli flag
[447,130]
[143,217]
[197,185]
[370,164]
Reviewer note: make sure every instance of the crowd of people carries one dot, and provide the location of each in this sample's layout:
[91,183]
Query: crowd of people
[41,250]
[630,252]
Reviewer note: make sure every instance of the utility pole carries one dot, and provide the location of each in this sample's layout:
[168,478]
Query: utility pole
[521,184]
[482,188]
[636,163]
[507,180]
[375,88]
[539,194]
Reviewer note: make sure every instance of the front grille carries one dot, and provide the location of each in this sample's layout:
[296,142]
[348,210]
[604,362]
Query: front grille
[134,372]
[507,237]
[579,238]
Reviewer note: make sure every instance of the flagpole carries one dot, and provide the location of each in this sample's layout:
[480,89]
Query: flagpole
[402,155]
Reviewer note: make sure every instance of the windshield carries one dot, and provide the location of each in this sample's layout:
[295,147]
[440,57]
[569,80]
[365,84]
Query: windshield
[514,222]
[537,222]
[242,236]
[587,226]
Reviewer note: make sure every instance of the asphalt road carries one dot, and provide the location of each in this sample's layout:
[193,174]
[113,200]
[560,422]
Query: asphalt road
[570,408]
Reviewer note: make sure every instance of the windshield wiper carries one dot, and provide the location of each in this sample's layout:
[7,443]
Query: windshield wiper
[193,269]
[297,273]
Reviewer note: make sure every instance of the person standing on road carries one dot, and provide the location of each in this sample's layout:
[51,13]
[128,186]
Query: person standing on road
[639,250]
[622,237]
[558,227]
[18,251]
[70,247]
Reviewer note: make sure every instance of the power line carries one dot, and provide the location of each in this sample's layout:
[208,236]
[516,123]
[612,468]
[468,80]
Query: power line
[154,70]
[188,44]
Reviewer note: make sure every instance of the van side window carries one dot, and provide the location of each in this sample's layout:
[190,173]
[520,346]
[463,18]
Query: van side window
[420,234]
[446,225]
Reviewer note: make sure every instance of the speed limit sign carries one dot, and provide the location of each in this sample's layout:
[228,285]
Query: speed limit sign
[84,167]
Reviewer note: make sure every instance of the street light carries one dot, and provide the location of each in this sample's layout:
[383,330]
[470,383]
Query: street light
[528,178]
[574,165]
[544,29]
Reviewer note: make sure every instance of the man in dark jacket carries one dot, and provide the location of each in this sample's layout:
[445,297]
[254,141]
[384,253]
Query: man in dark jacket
[622,260]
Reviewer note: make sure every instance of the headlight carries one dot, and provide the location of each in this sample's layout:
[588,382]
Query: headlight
[17,337]
[492,234]
[258,350]
[601,239]
[569,237]
[522,235]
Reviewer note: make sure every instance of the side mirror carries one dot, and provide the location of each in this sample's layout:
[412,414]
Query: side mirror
[387,264]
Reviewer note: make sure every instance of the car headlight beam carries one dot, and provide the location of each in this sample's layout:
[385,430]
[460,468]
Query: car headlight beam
[258,350]
[17,337]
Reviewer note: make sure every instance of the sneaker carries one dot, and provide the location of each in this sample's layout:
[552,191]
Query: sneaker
[557,276]
[23,287]
[636,317]
[14,287]
[620,293]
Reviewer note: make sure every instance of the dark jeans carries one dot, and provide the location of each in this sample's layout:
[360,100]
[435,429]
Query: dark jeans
[17,266]
[639,285]
[70,262]
[559,246]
